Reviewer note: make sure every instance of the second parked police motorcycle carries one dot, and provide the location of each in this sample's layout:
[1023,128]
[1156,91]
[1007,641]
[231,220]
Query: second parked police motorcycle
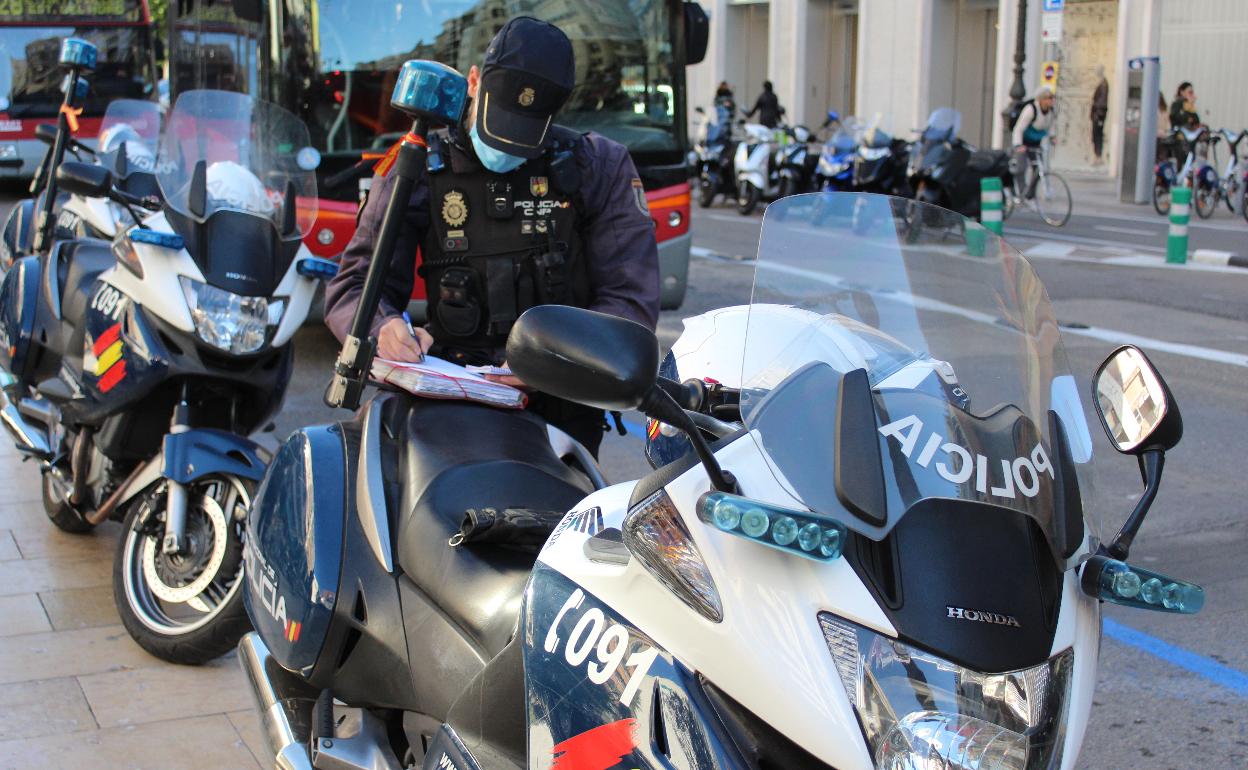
[135,369]
[885,554]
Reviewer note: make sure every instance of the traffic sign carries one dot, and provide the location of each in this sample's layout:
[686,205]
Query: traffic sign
[1054,6]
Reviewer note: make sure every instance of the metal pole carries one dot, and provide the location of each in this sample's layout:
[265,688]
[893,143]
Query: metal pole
[1146,146]
[1018,89]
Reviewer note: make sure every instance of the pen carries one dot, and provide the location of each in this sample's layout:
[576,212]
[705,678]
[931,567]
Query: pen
[408,320]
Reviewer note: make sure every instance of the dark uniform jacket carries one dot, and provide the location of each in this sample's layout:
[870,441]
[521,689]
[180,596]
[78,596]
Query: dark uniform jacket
[619,248]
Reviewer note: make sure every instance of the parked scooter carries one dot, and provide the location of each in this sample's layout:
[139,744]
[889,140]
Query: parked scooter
[634,639]
[757,176]
[835,171]
[945,170]
[795,163]
[880,164]
[135,370]
[716,174]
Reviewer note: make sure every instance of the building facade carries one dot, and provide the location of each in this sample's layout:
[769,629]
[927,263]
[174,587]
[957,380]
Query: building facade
[892,62]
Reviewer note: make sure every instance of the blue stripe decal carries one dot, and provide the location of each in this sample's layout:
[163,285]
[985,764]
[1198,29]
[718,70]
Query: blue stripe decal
[1232,679]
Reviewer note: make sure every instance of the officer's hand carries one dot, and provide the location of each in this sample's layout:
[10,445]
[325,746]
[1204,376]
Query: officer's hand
[398,341]
[508,379]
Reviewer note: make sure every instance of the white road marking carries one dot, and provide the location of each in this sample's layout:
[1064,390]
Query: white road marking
[1126,230]
[1050,250]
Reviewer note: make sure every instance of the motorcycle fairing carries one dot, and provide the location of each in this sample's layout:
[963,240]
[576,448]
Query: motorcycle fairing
[18,235]
[602,694]
[193,454]
[122,356]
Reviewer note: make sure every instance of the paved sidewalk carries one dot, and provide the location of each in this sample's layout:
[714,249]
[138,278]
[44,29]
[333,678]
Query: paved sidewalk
[75,690]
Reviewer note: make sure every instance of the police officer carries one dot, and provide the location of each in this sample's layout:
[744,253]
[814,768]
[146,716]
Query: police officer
[513,211]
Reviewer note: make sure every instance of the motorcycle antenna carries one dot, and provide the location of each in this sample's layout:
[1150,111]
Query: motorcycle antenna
[432,94]
[77,55]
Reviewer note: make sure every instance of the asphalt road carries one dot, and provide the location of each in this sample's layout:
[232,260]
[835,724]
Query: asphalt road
[1173,690]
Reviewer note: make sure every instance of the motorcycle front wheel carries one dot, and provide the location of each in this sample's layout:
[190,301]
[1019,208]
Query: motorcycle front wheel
[747,198]
[186,607]
[706,192]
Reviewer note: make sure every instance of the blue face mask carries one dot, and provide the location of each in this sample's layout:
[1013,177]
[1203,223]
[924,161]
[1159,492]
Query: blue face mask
[495,160]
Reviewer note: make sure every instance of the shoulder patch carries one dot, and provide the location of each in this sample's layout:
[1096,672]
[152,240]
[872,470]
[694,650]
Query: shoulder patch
[639,195]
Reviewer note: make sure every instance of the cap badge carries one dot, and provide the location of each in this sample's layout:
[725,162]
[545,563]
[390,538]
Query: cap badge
[538,186]
[526,97]
[454,208]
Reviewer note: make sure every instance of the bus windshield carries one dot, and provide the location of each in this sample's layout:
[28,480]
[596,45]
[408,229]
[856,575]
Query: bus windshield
[349,51]
[30,43]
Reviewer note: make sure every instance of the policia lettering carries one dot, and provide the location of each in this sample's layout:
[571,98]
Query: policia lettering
[499,244]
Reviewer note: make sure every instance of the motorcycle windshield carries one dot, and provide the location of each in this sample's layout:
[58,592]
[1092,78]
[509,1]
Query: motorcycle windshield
[897,352]
[254,155]
[132,124]
[943,124]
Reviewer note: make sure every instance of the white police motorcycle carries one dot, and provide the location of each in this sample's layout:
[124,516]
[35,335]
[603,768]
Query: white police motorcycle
[874,546]
[135,368]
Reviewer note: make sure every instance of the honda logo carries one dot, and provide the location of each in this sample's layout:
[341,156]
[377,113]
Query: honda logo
[959,613]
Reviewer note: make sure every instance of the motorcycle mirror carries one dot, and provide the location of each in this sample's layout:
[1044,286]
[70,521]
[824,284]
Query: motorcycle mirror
[46,133]
[583,356]
[1134,403]
[85,179]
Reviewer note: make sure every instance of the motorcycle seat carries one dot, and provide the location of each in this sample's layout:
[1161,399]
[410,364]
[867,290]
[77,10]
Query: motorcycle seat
[455,456]
[80,263]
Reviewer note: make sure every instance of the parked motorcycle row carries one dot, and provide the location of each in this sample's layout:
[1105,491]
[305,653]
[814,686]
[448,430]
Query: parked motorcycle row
[1197,147]
[814,575]
[750,163]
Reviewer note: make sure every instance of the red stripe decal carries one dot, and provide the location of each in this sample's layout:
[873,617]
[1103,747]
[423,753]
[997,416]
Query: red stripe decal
[113,376]
[107,338]
[597,749]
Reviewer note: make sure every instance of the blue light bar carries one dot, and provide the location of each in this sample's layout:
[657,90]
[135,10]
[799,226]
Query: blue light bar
[430,90]
[1131,586]
[799,532]
[157,238]
[77,52]
[315,267]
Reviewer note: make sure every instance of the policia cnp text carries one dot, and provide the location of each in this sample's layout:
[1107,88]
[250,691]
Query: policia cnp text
[512,212]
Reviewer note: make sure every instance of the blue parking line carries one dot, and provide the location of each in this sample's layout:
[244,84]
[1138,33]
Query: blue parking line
[1224,676]
[635,429]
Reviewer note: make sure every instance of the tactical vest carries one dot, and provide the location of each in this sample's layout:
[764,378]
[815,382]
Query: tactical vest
[498,244]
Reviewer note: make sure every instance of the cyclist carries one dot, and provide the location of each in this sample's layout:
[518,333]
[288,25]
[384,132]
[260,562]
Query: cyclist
[1036,122]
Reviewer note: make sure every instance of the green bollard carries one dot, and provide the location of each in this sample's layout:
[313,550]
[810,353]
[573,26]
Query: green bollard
[1180,213]
[991,202]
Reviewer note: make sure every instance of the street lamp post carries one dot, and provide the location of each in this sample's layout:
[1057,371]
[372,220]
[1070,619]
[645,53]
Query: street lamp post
[1018,89]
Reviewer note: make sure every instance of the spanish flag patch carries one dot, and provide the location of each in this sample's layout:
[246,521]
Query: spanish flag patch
[109,366]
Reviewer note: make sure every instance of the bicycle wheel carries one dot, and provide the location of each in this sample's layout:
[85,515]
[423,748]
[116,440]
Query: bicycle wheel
[1205,200]
[1053,199]
[1161,198]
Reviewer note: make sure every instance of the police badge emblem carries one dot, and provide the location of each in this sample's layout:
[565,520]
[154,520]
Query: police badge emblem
[454,209]
[539,186]
[526,97]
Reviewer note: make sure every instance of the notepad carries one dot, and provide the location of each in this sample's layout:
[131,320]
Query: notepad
[438,378]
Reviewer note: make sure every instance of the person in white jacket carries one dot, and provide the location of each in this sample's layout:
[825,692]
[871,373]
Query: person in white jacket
[1036,122]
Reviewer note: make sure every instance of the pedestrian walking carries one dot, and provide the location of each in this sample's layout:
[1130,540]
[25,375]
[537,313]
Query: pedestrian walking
[1100,109]
[767,106]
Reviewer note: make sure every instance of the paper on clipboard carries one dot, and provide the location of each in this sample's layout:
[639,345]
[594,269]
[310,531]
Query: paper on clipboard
[437,378]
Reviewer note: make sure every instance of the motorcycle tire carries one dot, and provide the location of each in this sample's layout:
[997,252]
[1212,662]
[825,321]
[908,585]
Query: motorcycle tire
[706,195]
[182,637]
[60,512]
[1205,201]
[747,199]
[1161,199]
[788,186]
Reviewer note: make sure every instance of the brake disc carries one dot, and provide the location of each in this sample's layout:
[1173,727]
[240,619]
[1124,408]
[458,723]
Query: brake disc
[211,509]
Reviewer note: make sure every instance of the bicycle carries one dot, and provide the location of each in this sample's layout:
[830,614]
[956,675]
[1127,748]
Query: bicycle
[1045,189]
[1230,186]
[1196,174]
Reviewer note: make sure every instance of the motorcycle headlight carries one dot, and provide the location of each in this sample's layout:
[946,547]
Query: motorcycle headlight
[228,321]
[921,712]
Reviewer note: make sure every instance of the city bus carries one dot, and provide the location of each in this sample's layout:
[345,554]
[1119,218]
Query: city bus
[333,63]
[31,32]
